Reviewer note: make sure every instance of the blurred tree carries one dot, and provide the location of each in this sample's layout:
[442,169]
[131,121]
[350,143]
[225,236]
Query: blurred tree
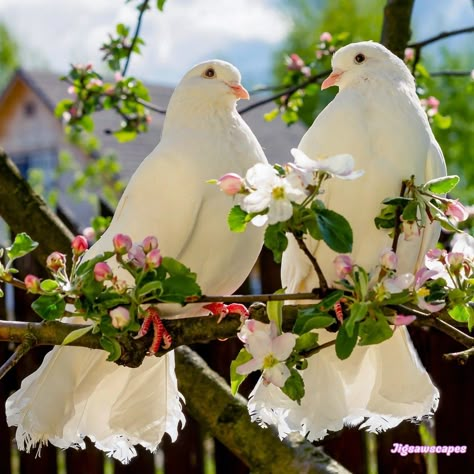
[8,54]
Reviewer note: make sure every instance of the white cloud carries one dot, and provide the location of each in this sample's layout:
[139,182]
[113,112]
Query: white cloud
[57,32]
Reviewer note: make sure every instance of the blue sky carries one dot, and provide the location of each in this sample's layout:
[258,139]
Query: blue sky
[54,33]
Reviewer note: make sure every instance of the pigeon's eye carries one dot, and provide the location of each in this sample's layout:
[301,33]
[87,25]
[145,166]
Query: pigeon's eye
[359,59]
[210,73]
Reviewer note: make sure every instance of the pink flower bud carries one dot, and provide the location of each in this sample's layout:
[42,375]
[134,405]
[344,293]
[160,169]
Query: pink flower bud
[89,234]
[149,243]
[432,102]
[118,76]
[326,37]
[56,261]
[122,243]
[436,254]
[102,271]
[32,283]
[79,245]
[71,90]
[402,320]
[120,317]
[136,256]
[456,211]
[409,54]
[294,62]
[343,264]
[389,259]
[230,183]
[153,259]
[455,260]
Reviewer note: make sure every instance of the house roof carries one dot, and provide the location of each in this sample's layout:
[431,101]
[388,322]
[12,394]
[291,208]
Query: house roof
[275,137]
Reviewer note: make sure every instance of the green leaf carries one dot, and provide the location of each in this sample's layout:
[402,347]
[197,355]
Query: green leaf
[49,285]
[235,378]
[272,115]
[123,136]
[176,268]
[22,245]
[275,310]
[122,30]
[49,307]
[76,334]
[276,240]
[150,287]
[374,331]
[344,343]
[306,342]
[397,201]
[177,288]
[88,266]
[463,314]
[237,219]
[358,312]
[112,346]
[330,300]
[410,211]
[442,185]
[160,4]
[294,386]
[335,230]
[443,122]
[305,323]
[87,123]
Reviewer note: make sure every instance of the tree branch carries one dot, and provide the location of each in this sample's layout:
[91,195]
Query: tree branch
[28,343]
[440,36]
[450,73]
[460,357]
[396,25]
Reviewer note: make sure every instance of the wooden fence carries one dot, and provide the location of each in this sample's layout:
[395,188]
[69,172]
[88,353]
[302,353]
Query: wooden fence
[196,453]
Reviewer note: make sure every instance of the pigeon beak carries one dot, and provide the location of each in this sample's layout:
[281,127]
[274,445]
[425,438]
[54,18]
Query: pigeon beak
[238,90]
[332,79]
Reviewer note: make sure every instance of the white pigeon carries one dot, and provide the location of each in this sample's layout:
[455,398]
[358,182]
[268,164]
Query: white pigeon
[76,393]
[377,118]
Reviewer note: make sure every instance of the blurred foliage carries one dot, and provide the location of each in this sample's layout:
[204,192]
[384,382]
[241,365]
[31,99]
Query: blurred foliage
[8,55]
[452,123]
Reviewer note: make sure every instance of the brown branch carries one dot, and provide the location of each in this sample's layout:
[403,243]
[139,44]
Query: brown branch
[398,221]
[28,343]
[323,285]
[288,91]
[141,8]
[460,357]
[440,36]
[262,298]
[450,73]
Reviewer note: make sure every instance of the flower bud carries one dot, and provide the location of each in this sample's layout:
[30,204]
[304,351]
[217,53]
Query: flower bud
[102,271]
[137,256]
[56,261]
[79,245]
[409,54]
[149,243]
[343,264]
[455,260]
[326,37]
[456,211]
[402,320]
[32,283]
[230,183]
[389,259]
[153,259]
[120,317]
[294,62]
[122,243]
[89,234]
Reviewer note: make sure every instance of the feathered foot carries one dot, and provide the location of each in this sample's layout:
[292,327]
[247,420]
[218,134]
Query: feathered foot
[222,310]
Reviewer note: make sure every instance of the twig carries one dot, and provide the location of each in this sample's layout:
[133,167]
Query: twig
[460,357]
[319,348]
[451,73]
[323,285]
[14,282]
[142,8]
[27,344]
[263,298]
[398,215]
[440,36]
[151,106]
[287,91]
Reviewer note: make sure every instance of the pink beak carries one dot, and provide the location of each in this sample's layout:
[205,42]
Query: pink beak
[239,90]
[332,79]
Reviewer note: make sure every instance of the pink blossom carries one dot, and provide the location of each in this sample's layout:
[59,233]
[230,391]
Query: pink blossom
[252,326]
[102,271]
[432,102]
[455,260]
[306,71]
[399,283]
[79,245]
[71,90]
[137,256]
[149,243]
[32,283]
[95,82]
[409,54]
[230,183]
[120,317]
[269,355]
[153,259]
[326,37]
[319,54]
[294,62]
[421,277]
[343,265]
[118,76]
[456,211]
[56,261]
[89,234]
[122,243]
[436,254]
[389,259]
[402,320]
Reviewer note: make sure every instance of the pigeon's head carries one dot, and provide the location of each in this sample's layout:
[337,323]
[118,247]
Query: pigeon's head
[212,82]
[365,62]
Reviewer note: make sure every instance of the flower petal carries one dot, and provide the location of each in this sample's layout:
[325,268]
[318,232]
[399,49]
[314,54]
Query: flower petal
[250,366]
[283,345]
[280,210]
[277,375]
